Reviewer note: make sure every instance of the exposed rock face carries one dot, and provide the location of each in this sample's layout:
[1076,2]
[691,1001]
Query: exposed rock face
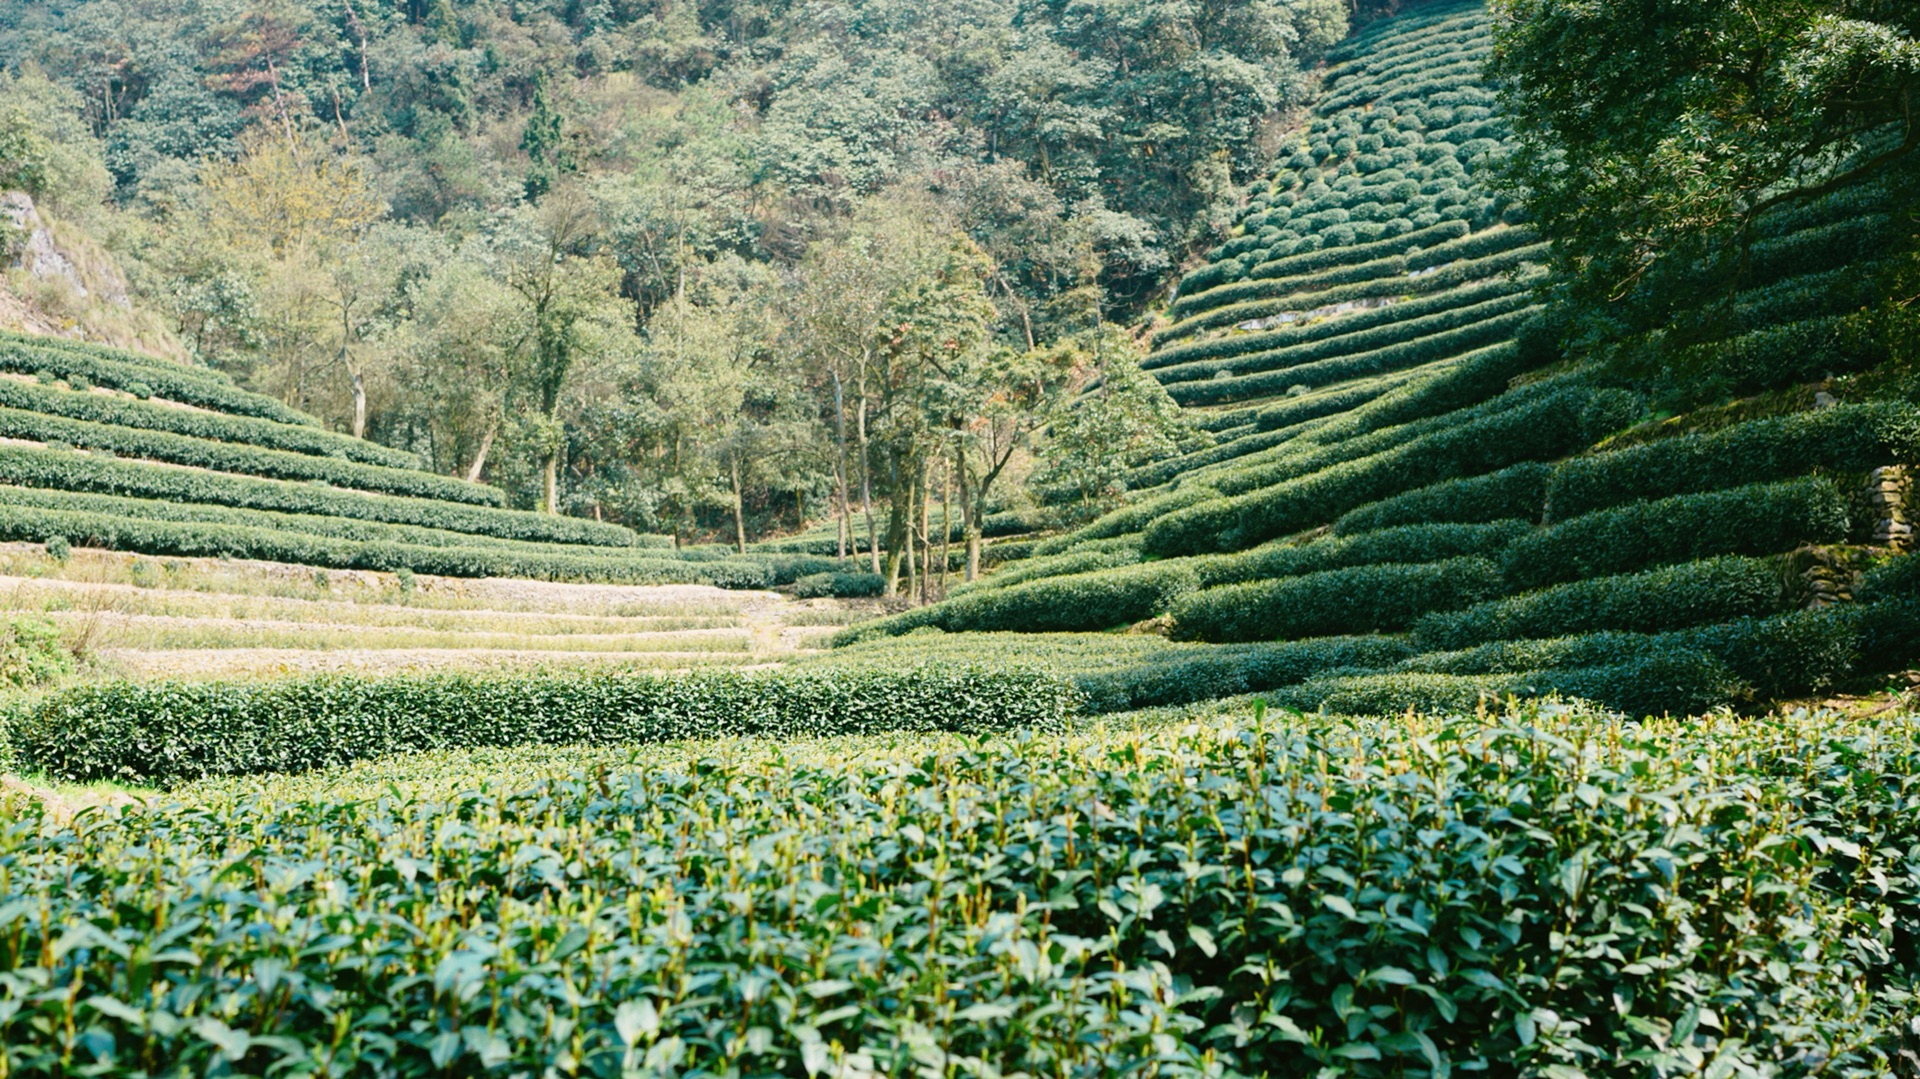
[40,255]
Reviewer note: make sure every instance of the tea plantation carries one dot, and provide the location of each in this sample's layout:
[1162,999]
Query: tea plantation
[1404,454]
[1469,701]
[107,448]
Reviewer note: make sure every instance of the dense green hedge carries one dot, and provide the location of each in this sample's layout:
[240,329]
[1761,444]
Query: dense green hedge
[1758,519]
[66,470]
[1455,383]
[1552,425]
[1680,683]
[1240,343]
[117,509]
[169,731]
[1058,565]
[1786,655]
[1358,599]
[1517,888]
[294,438]
[1519,491]
[182,384]
[1356,364]
[243,459]
[1436,405]
[1409,543]
[1361,340]
[1213,672]
[121,532]
[1450,276]
[1786,354]
[1079,602]
[1715,590]
[1845,438]
[1128,518]
[1280,287]
[845,583]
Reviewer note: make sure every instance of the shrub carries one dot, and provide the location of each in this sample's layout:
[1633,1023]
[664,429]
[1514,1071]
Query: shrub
[1846,438]
[169,731]
[65,471]
[1359,599]
[282,544]
[1519,491]
[1079,602]
[1128,518]
[1396,333]
[1355,364]
[1407,544]
[844,584]
[58,548]
[241,459]
[31,654]
[1185,676]
[172,381]
[1544,428]
[209,425]
[1083,601]
[1715,590]
[1061,565]
[1239,344]
[1755,520]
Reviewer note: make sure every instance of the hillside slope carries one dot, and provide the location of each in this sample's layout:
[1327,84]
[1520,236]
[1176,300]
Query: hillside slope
[1416,499]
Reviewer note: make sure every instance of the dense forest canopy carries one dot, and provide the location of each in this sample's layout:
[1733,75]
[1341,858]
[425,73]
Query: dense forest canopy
[648,260]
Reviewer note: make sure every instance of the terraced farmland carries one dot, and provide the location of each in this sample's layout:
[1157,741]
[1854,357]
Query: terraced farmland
[1415,498]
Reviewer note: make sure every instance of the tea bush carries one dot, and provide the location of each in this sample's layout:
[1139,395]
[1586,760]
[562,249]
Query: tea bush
[165,731]
[30,467]
[1409,544]
[1096,904]
[295,438]
[1539,430]
[844,584]
[1845,438]
[247,460]
[1518,491]
[1715,590]
[1755,520]
[1359,599]
[174,382]
[1081,601]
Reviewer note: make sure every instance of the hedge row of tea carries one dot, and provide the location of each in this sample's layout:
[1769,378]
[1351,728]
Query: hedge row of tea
[165,732]
[128,452]
[1288,899]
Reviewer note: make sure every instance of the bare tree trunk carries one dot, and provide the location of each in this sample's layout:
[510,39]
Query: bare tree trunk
[739,511]
[359,405]
[480,455]
[845,509]
[866,486]
[926,534]
[969,520]
[946,526]
[550,482]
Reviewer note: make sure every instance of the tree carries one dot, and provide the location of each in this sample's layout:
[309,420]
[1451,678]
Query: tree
[1653,135]
[546,254]
[996,407]
[1123,421]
